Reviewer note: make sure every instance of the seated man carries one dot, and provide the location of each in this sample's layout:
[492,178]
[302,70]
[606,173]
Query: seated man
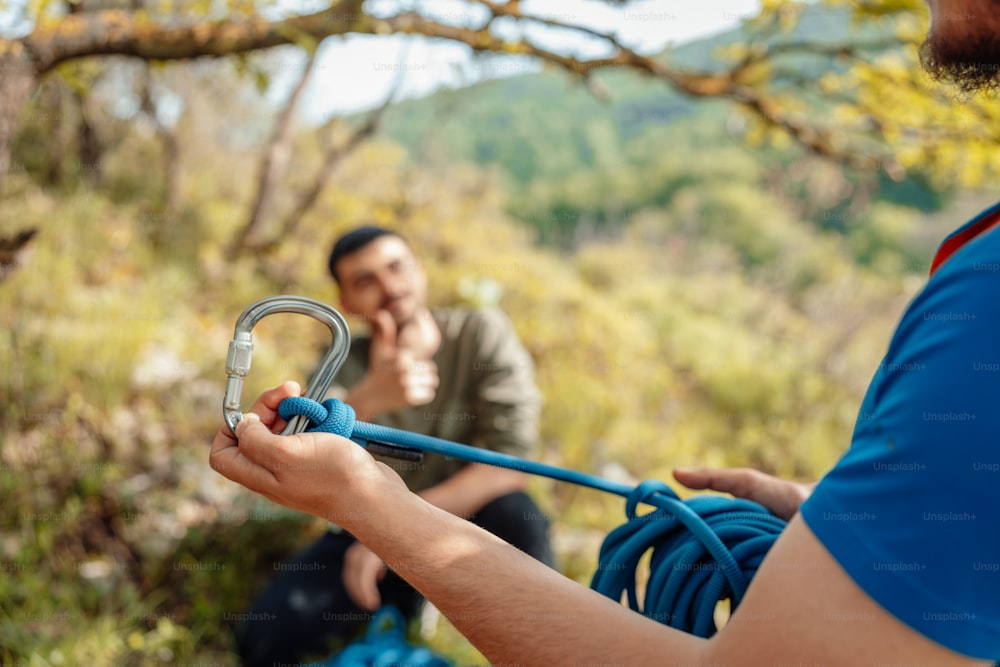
[458,374]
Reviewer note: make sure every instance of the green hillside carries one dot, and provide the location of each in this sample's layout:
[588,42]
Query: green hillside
[577,166]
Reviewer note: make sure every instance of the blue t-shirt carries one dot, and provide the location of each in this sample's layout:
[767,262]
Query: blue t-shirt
[912,510]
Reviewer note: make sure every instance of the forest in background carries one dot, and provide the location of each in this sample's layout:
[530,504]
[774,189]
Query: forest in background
[694,289]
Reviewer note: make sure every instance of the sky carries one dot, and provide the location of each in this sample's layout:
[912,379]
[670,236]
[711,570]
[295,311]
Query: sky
[358,72]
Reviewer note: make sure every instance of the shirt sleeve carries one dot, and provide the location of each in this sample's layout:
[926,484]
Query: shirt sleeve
[911,512]
[505,400]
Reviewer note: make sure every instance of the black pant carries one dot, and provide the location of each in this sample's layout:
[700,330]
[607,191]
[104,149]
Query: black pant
[305,608]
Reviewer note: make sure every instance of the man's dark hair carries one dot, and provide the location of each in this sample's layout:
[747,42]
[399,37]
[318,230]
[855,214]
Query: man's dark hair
[355,240]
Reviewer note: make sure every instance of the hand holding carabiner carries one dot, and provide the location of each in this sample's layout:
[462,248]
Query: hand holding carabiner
[320,473]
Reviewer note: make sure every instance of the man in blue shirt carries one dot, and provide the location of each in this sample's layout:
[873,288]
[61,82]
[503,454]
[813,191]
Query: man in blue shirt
[910,511]
[894,558]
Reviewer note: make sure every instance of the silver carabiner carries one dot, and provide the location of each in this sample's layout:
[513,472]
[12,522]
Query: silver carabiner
[241,349]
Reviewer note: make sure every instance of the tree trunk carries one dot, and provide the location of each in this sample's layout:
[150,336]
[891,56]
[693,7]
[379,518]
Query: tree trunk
[310,195]
[273,166]
[164,217]
[334,156]
[89,145]
[18,80]
[53,97]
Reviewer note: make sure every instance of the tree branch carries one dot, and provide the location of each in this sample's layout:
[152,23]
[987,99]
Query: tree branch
[117,32]
[135,34]
[274,165]
[331,161]
[725,83]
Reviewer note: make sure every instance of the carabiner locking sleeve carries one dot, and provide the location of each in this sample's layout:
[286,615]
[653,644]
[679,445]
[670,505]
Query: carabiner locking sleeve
[241,350]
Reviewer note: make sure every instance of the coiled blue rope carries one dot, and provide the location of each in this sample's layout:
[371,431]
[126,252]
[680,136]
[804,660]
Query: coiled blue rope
[704,550]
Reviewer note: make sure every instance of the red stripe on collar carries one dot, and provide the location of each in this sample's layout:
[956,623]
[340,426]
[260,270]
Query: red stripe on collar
[986,221]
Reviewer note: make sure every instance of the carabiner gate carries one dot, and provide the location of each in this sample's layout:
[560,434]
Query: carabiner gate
[241,350]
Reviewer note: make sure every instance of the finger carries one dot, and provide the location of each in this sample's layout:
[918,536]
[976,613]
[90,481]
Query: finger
[224,432]
[432,376]
[266,405]
[263,448]
[415,397]
[362,571]
[419,376]
[419,388]
[372,572]
[741,482]
[350,574]
[227,459]
[384,345]
[693,478]
[421,368]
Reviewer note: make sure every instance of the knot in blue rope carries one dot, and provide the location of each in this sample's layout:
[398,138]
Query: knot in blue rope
[384,646]
[330,416]
[704,550]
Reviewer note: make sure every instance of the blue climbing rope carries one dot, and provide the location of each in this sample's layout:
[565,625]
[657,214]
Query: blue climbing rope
[384,645]
[703,550]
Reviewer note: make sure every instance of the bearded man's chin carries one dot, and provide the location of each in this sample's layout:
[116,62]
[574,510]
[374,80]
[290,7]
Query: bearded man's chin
[971,63]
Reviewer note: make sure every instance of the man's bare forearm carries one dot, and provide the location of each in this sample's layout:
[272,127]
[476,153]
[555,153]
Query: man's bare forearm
[493,594]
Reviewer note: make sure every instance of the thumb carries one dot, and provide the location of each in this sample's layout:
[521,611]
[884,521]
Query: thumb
[371,598]
[383,335]
[256,440]
[240,461]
